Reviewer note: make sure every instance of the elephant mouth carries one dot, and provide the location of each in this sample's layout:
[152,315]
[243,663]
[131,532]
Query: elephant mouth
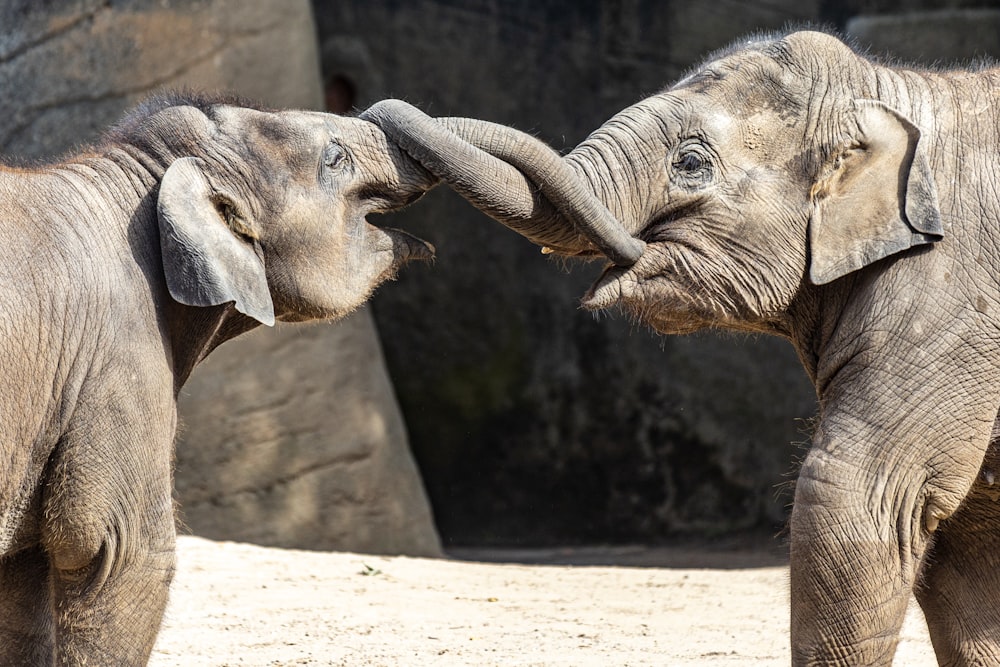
[379,200]
[623,285]
[651,294]
[405,247]
[668,225]
[665,288]
[619,285]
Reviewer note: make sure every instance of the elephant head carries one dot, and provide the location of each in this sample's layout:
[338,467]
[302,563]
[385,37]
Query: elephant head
[742,183]
[267,210]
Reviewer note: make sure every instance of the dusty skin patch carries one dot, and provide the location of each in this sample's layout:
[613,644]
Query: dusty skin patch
[237,604]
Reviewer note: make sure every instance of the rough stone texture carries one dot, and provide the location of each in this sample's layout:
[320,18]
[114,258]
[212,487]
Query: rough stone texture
[533,421]
[840,11]
[930,37]
[293,439]
[293,436]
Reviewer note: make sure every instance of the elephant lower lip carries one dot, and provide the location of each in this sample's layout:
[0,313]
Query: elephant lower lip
[606,290]
[422,251]
[407,247]
[618,285]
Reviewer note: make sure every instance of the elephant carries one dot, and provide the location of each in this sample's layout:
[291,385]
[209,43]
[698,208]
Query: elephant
[193,220]
[791,186]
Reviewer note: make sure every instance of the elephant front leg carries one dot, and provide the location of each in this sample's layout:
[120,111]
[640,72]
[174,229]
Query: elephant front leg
[109,611]
[26,629]
[959,586]
[893,456]
[110,536]
[852,568]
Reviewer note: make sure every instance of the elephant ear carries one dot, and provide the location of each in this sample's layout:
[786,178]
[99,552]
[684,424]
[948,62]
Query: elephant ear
[205,260]
[876,200]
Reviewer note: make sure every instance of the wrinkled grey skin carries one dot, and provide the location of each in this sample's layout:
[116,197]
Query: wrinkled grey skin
[791,187]
[122,267]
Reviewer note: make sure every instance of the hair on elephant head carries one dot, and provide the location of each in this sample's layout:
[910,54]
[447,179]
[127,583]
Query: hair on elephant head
[193,220]
[789,185]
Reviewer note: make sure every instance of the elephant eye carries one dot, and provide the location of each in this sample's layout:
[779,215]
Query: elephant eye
[335,156]
[691,163]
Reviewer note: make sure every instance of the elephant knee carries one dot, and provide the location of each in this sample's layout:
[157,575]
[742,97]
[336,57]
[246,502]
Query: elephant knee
[85,555]
[84,563]
[74,547]
[885,508]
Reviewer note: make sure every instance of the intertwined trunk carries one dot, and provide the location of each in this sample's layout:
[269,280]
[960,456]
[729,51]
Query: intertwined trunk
[487,164]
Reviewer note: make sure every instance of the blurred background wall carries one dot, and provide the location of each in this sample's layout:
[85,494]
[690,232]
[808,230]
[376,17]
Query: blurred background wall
[532,422]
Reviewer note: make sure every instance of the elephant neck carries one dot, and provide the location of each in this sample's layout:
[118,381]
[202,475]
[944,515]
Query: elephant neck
[194,332]
[814,326]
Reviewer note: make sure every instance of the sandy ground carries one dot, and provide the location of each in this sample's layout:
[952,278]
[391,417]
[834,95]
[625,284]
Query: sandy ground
[239,604]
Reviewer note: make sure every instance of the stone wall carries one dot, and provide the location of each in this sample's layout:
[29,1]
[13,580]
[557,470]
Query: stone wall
[291,436]
[930,37]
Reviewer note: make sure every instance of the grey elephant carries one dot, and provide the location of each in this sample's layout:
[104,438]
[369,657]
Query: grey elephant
[792,187]
[190,222]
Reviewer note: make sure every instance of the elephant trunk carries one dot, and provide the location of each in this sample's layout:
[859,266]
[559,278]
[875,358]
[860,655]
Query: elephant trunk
[616,189]
[484,163]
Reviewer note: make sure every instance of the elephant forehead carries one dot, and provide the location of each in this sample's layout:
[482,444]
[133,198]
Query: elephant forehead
[696,114]
[279,129]
[271,146]
[746,80]
[313,130]
[344,128]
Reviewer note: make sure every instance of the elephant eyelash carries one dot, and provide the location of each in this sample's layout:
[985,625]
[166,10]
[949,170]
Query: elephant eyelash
[335,156]
[692,164]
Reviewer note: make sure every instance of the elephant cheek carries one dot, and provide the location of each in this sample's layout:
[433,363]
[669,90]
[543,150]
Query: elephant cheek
[377,259]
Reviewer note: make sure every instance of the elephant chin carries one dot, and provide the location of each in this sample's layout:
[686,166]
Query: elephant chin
[343,292]
[605,292]
[633,301]
[621,285]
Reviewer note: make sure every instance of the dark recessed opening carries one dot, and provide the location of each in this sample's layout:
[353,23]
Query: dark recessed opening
[340,94]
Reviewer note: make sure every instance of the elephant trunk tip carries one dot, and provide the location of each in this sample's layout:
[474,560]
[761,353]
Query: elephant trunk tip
[626,252]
